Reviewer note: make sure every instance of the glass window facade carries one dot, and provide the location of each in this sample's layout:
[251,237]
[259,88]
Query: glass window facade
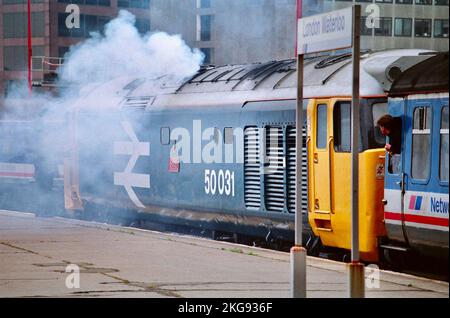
[15,24]
[204,4]
[21,1]
[422,28]
[15,58]
[140,4]
[208,52]
[106,3]
[385,27]
[364,29]
[205,27]
[403,27]
[440,28]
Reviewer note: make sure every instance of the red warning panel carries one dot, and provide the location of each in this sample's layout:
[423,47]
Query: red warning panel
[174,160]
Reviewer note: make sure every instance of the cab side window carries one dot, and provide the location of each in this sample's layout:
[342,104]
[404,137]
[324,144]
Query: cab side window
[421,143]
[443,162]
[341,127]
[322,122]
[395,140]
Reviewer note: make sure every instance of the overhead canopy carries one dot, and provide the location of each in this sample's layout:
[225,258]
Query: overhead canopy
[428,75]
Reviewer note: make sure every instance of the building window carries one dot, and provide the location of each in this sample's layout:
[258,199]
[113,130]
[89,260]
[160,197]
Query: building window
[403,27]
[105,3]
[441,2]
[140,4]
[15,58]
[383,1]
[385,27]
[321,123]
[424,2]
[204,4]
[341,127]
[443,165]
[364,0]
[21,1]
[364,29]
[15,24]
[205,27]
[404,1]
[208,52]
[13,86]
[421,143]
[422,28]
[440,28]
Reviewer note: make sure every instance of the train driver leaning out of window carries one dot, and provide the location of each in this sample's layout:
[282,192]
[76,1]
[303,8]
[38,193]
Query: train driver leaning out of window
[391,127]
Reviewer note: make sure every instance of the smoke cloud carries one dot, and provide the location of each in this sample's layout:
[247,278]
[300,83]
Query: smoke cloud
[115,56]
[122,51]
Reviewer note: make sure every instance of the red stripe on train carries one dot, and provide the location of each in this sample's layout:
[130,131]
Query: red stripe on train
[16,174]
[431,220]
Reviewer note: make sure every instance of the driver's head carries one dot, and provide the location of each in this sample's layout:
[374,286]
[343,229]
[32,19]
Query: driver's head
[385,122]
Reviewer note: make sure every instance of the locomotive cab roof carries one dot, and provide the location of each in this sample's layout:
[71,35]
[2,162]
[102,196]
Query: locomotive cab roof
[430,75]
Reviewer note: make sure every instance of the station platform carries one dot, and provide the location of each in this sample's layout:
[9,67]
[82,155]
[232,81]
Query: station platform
[118,261]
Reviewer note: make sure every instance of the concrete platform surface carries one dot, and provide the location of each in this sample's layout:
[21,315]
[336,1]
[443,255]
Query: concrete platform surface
[116,261]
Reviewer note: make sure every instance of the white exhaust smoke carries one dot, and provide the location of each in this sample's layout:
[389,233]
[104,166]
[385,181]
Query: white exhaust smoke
[122,51]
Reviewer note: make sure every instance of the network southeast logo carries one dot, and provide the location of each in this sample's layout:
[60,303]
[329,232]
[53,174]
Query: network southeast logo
[415,202]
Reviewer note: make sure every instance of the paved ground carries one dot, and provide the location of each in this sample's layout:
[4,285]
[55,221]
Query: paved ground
[126,262]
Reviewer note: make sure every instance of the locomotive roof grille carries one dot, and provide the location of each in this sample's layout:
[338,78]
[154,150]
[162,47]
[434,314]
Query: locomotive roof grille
[137,103]
[280,68]
[332,60]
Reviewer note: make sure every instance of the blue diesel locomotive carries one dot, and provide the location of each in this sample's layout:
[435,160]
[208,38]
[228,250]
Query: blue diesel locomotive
[218,151]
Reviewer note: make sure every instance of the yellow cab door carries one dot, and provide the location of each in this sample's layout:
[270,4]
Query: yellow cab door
[319,165]
[329,179]
[340,118]
[329,144]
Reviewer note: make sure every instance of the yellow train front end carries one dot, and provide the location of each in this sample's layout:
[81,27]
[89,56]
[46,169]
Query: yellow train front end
[329,177]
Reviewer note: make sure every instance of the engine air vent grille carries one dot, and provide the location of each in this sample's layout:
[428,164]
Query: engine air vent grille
[252,176]
[290,170]
[274,169]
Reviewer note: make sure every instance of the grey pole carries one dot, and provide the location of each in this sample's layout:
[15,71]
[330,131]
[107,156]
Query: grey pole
[299,154]
[356,269]
[298,252]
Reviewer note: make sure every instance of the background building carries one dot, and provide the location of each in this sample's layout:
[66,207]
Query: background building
[240,31]
[51,36]
[227,31]
[230,31]
[420,24]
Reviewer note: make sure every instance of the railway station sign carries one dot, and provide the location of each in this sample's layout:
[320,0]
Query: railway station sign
[325,32]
